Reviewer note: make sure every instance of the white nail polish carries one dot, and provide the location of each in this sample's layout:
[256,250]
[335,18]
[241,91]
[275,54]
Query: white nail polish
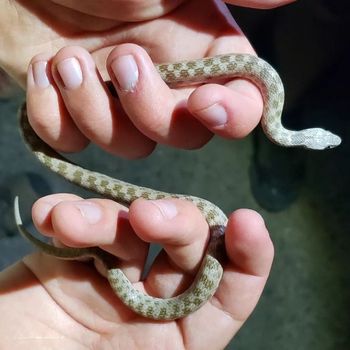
[126,72]
[215,115]
[70,73]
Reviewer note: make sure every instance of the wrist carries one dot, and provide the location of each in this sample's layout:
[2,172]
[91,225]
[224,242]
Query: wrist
[10,40]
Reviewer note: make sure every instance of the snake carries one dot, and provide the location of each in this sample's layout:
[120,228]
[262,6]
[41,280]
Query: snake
[219,69]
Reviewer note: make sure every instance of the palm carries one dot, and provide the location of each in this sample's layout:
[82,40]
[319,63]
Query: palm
[74,306]
[78,304]
[194,29]
[76,311]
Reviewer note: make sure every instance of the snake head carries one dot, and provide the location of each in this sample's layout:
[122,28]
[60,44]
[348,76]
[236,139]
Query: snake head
[319,139]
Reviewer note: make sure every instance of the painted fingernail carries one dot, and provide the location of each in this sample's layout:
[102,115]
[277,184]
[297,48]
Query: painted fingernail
[215,115]
[167,208]
[70,73]
[90,211]
[39,72]
[126,72]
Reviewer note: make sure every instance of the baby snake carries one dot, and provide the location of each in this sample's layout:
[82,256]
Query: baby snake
[210,272]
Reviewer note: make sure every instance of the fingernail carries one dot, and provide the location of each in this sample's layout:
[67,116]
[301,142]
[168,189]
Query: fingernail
[215,115]
[90,211]
[70,73]
[42,211]
[40,75]
[126,72]
[167,208]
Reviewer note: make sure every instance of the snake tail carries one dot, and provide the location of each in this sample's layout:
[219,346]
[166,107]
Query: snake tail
[202,289]
[61,253]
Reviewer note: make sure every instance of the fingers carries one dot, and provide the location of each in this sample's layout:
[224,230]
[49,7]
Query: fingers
[230,111]
[244,241]
[183,232]
[152,106]
[94,222]
[73,105]
[180,228]
[250,252]
[46,111]
[69,105]
[177,225]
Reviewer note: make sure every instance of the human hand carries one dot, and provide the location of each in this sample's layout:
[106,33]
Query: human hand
[68,119]
[55,303]
[28,28]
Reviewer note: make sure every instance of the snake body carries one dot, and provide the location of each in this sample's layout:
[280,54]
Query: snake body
[218,68]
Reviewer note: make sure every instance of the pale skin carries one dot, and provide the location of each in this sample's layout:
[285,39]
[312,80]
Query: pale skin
[149,114]
[56,304]
[68,304]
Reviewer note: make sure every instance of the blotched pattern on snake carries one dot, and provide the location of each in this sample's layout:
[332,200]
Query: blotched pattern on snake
[218,68]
